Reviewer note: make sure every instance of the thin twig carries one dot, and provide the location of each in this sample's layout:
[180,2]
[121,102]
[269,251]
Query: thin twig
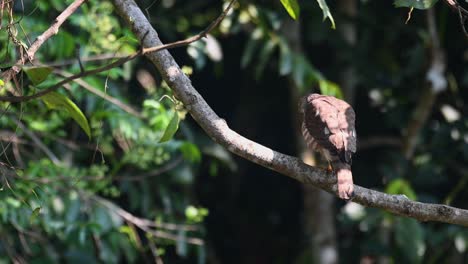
[143,224]
[103,95]
[37,141]
[166,167]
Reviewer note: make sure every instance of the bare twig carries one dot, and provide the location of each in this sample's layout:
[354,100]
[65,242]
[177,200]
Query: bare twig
[220,132]
[143,51]
[166,167]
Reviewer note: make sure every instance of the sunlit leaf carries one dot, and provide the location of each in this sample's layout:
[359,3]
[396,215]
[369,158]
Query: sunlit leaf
[292,7]
[418,4]
[2,83]
[60,102]
[171,128]
[326,12]
[130,232]
[191,212]
[330,88]
[37,74]
[401,186]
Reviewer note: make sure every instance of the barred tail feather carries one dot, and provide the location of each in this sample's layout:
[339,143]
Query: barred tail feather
[344,181]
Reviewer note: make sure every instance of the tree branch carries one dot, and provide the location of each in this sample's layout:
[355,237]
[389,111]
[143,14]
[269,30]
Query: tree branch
[121,60]
[52,30]
[220,132]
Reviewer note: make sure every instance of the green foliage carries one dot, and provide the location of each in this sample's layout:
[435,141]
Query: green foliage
[260,50]
[171,128]
[292,7]
[65,197]
[418,4]
[194,214]
[401,186]
[57,101]
[409,237]
[37,74]
[75,202]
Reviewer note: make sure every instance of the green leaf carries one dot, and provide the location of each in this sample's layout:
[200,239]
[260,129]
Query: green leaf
[37,74]
[264,57]
[409,236]
[82,236]
[191,212]
[130,232]
[190,152]
[250,48]
[58,101]
[330,88]
[401,186]
[171,128]
[34,214]
[326,12]
[418,4]
[292,7]
[2,83]
[285,59]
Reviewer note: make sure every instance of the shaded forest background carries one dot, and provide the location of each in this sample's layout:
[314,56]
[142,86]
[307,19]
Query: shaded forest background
[121,195]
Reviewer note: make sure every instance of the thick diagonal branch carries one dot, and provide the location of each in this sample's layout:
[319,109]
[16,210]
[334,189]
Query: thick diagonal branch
[220,132]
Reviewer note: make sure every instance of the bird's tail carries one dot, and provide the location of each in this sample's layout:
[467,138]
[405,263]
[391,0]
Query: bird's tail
[344,180]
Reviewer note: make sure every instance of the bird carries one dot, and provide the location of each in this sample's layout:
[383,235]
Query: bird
[328,126]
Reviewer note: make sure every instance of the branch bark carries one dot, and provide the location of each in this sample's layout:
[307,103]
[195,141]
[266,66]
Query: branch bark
[220,132]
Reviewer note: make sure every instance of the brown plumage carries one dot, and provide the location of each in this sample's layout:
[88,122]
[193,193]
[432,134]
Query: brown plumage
[328,127]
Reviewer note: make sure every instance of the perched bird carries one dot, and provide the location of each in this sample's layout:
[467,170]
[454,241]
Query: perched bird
[328,127]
